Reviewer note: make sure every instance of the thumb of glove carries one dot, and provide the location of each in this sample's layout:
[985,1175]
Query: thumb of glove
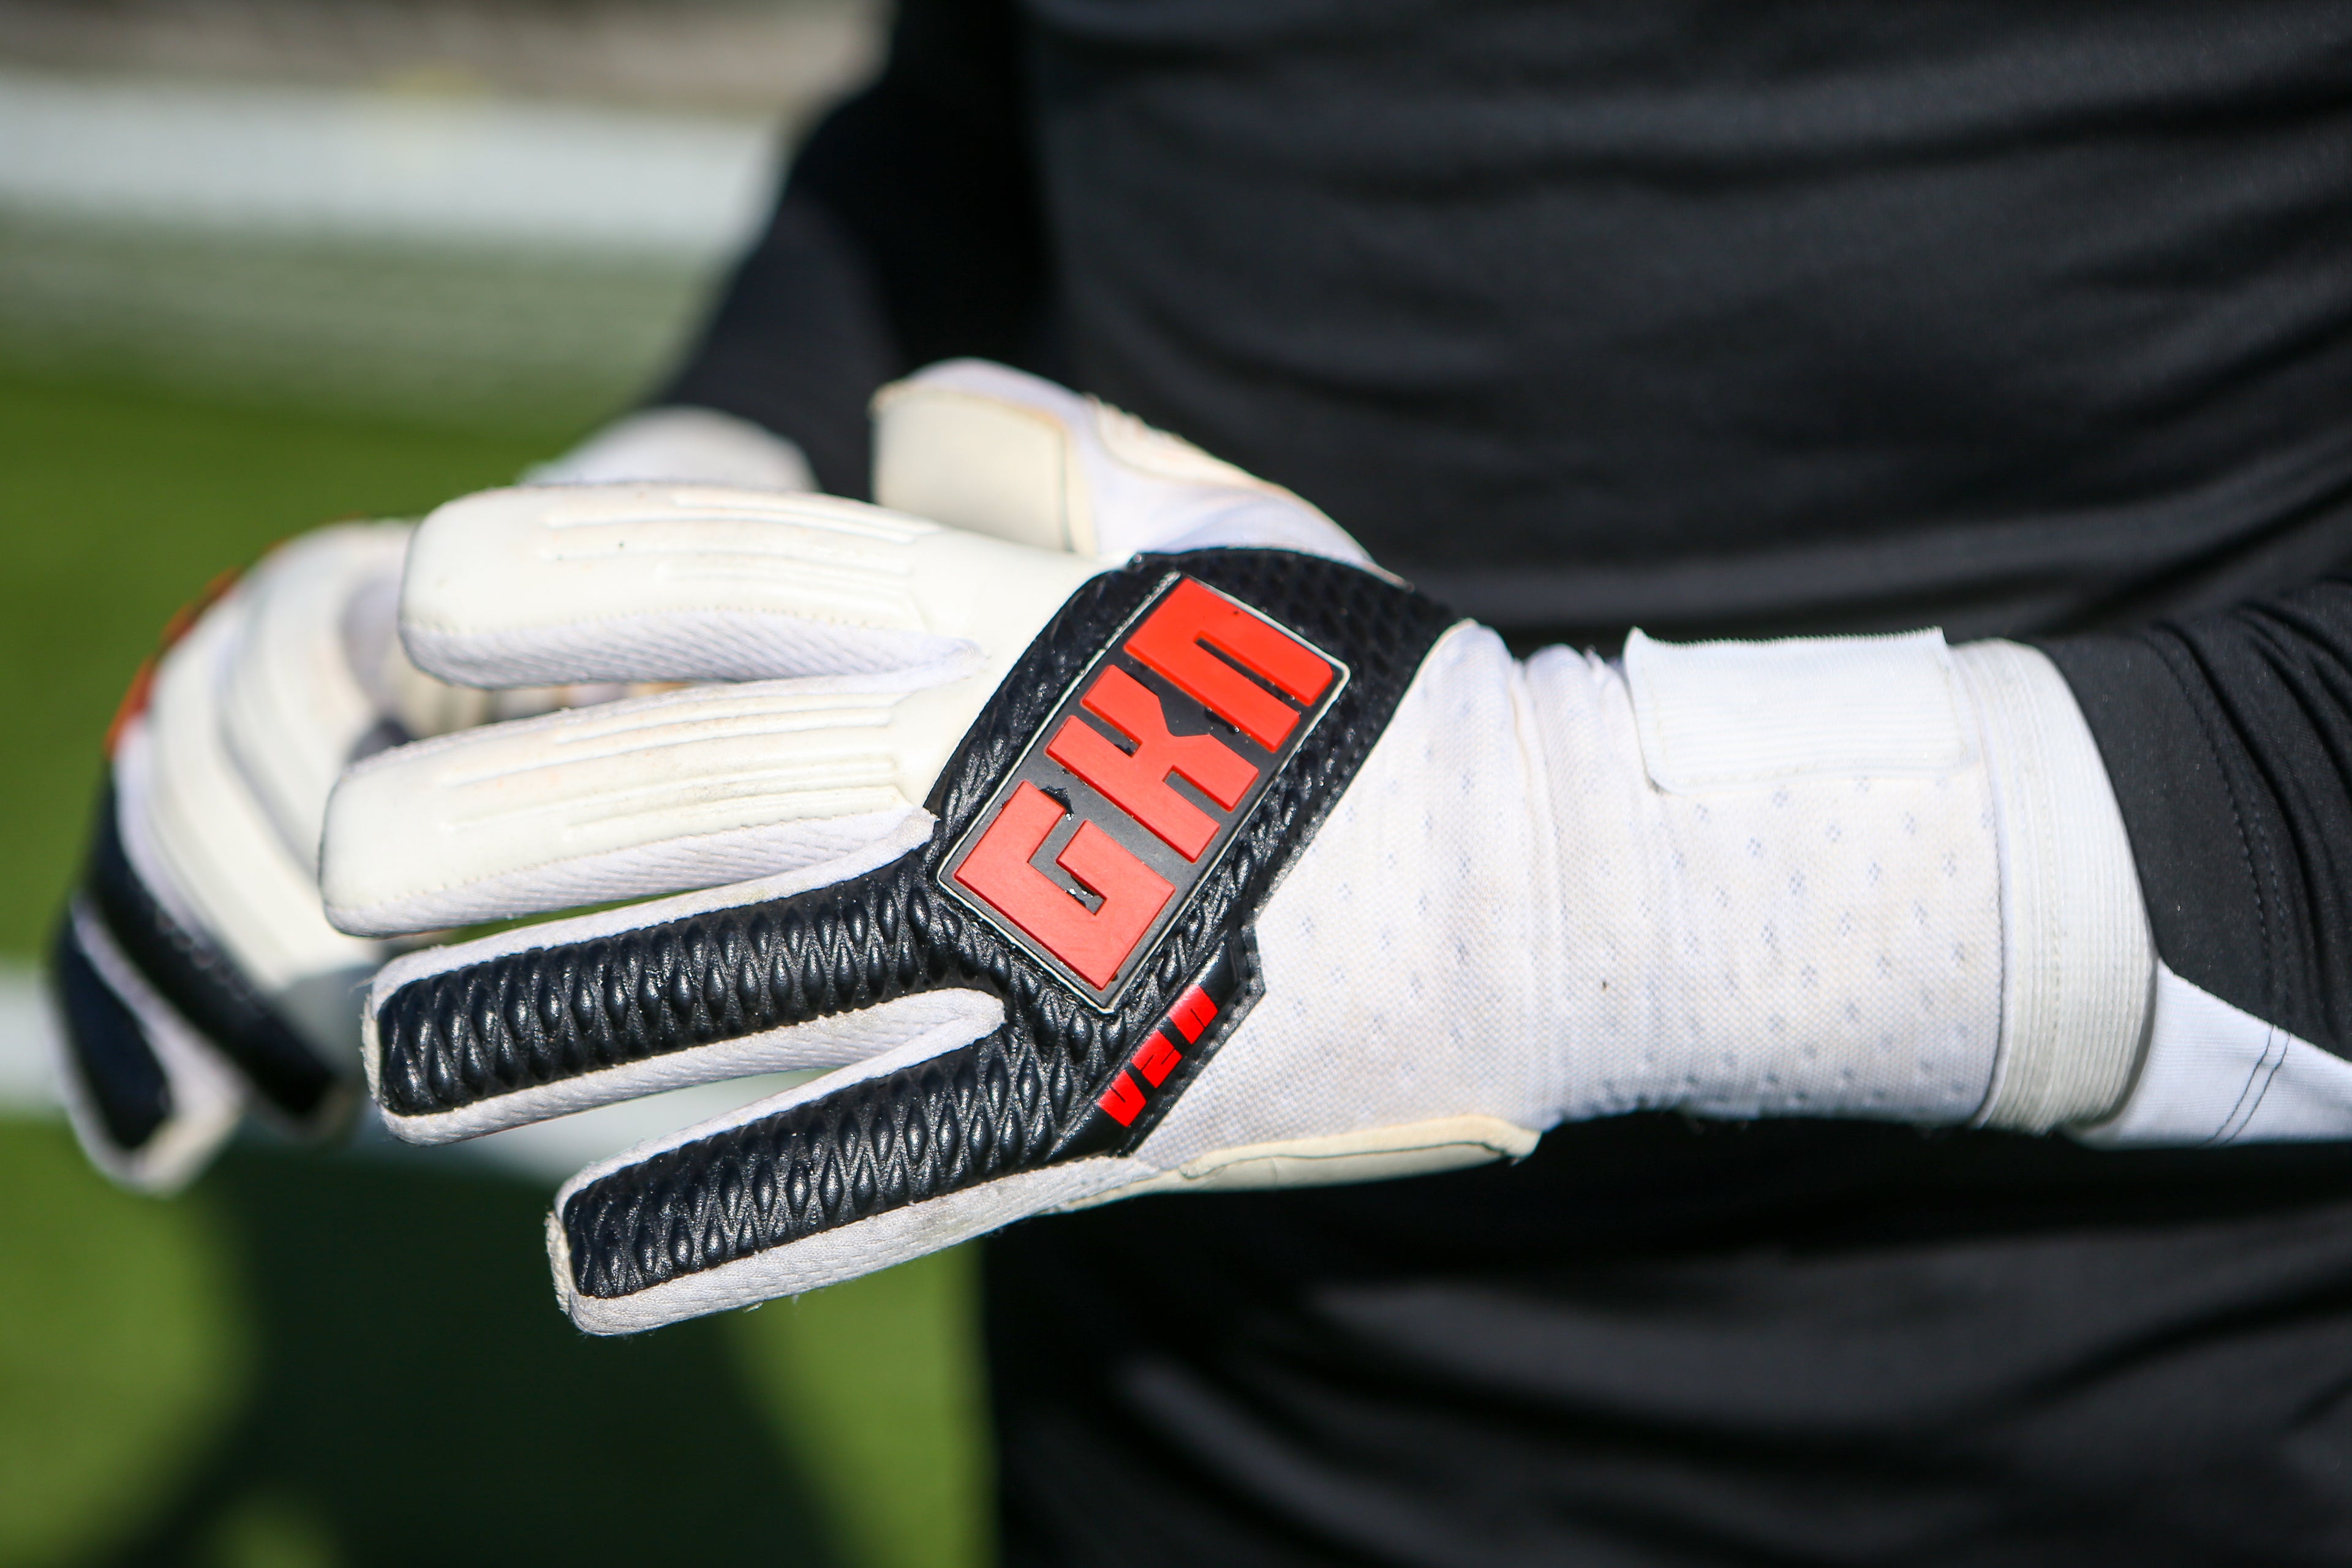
[993,450]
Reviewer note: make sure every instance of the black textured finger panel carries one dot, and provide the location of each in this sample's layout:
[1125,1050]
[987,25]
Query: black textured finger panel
[106,1050]
[1030,1093]
[204,986]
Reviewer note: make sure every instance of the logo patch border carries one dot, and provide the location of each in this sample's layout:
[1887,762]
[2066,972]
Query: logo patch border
[1032,755]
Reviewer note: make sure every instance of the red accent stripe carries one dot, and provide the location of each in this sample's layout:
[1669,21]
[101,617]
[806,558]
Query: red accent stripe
[1122,1101]
[1158,1058]
[143,683]
[1193,1011]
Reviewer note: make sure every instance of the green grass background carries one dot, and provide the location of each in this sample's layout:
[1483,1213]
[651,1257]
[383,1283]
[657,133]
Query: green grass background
[317,1359]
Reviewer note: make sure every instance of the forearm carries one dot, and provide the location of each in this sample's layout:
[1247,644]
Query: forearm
[1368,898]
[1869,876]
[2098,885]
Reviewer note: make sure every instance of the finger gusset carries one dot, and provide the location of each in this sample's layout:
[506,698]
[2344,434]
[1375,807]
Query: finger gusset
[690,789]
[148,1099]
[199,836]
[127,1088]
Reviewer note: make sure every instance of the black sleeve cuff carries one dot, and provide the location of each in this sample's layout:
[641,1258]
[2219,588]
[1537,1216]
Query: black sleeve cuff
[2228,739]
[798,343]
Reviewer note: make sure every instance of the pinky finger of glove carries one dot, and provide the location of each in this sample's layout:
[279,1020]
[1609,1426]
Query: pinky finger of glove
[768,1202]
[148,1100]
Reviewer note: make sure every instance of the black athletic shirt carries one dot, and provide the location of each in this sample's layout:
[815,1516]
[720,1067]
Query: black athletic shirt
[2030,319]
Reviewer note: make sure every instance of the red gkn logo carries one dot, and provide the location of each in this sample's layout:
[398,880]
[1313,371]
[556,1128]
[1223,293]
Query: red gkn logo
[1138,782]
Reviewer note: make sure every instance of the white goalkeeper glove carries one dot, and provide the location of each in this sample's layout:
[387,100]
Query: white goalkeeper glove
[194,971]
[1223,865]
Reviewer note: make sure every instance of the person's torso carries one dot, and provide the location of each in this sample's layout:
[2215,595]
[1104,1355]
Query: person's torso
[1721,318]
[1717,318]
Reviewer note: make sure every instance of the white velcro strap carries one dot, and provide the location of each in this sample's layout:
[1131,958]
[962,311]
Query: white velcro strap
[1719,715]
[1782,878]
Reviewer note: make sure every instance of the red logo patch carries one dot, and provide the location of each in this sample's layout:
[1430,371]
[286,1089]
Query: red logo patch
[1139,780]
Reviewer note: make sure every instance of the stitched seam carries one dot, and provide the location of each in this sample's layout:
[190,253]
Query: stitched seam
[2265,1071]
[2237,812]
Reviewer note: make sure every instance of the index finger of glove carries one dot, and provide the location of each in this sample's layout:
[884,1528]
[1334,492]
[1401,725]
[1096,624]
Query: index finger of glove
[837,1178]
[817,968]
[627,582]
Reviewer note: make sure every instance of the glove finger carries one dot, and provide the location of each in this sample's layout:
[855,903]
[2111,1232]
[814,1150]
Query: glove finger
[982,446]
[688,445]
[545,586]
[203,844]
[837,1178]
[690,789]
[148,1101]
[293,708]
[545,1020]
[262,1035]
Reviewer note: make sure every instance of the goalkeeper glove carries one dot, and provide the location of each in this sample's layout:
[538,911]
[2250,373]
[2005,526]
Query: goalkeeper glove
[1098,873]
[195,973]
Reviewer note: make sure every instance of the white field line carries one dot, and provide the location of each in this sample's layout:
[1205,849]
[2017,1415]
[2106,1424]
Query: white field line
[318,163]
[25,1083]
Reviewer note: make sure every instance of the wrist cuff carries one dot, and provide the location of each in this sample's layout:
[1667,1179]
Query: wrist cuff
[2076,959]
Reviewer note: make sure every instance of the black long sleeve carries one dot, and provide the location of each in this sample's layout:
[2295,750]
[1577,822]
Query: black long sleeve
[1723,319]
[2228,738]
[907,232]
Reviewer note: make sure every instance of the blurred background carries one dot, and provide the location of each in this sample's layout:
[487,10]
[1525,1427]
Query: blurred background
[263,264]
